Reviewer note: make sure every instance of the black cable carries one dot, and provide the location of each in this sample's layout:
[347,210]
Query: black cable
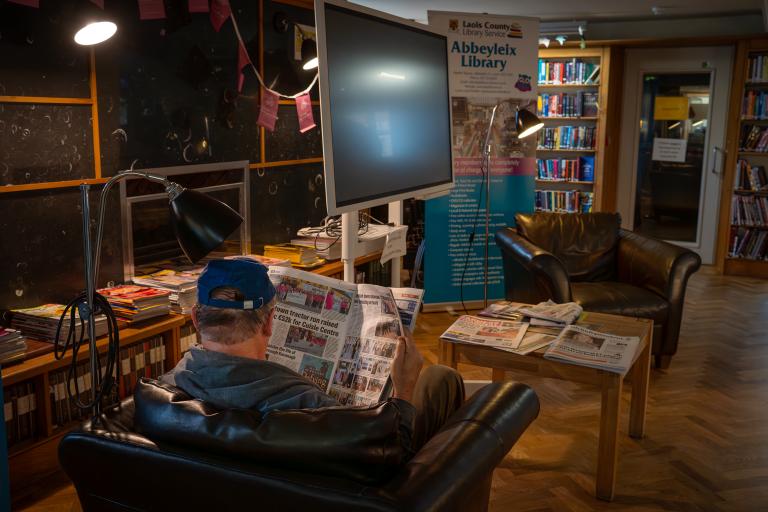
[485,172]
[111,373]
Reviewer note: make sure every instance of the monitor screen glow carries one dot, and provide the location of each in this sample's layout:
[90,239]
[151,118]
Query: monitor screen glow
[384,95]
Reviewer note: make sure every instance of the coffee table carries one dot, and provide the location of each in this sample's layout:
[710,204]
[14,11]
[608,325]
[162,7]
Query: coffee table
[610,384]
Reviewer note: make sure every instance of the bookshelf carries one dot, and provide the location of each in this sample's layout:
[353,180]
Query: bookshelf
[572,107]
[743,230]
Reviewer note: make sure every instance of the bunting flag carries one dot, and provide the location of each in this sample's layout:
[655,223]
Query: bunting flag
[198,6]
[304,110]
[243,60]
[151,10]
[100,3]
[268,110]
[220,12]
[28,3]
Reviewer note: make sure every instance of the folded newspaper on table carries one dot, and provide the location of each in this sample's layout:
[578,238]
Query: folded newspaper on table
[504,309]
[549,311]
[501,334]
[585,347]
[339,335]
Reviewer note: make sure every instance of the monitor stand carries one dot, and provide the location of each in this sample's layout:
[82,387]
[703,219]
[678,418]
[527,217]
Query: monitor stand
[349,226]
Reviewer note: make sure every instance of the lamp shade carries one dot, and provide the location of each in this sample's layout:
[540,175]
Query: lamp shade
[308,54]
[527,123]
[201,223]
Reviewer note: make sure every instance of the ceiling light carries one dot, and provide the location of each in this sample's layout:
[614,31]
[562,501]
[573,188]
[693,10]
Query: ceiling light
[95,32]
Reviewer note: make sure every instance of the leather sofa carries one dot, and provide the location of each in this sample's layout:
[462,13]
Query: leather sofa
[232,460]
[589,259]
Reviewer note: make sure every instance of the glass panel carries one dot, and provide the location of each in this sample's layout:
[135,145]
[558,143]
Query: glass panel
[674,115]
[154,242]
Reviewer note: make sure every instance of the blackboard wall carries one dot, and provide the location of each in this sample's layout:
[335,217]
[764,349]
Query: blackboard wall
[166,96]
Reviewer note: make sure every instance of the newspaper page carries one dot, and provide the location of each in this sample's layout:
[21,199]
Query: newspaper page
[582,346]
[504,309]
[339,335]
[408,302]
[566,313]
[502,334]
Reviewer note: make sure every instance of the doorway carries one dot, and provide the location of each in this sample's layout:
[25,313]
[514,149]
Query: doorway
[673,124]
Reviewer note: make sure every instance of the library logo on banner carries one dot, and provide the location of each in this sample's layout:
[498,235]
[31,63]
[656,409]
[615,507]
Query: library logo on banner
[523,83]
[453,25]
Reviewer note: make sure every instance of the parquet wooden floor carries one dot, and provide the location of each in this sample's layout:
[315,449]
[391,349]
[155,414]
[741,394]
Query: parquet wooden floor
[706,447]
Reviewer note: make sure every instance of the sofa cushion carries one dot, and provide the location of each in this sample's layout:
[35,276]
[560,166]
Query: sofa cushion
[361,444]
[585,243]
[620,299]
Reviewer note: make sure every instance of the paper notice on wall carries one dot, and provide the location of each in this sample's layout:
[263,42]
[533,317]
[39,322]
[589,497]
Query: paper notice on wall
[394,247]
[669,150]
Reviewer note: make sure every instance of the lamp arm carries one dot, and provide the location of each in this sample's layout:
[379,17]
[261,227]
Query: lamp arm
[171,188]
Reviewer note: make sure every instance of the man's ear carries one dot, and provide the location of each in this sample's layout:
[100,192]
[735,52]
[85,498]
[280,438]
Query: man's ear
[267,327]
[194,316]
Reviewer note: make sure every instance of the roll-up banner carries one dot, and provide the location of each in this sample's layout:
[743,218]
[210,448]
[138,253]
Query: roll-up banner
[492,62]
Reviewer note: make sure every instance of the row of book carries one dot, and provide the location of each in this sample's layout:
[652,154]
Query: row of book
[572,71]
[566,201]
[187,337]
[757,70]
[750,177]
[579,104]
[749,211]
[753,138]
[13,345]
[568,137]
[144,359]
[755,105]
[577,169]
[20,411]
[748,243]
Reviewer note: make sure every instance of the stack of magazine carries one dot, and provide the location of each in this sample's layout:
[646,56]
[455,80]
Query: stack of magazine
[137,303]
[299,255]
[40,323]
[13,345]
[182,285]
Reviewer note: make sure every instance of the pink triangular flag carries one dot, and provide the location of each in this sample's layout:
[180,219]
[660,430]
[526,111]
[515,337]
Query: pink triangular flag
[268,110]
[304,110]
[198,5]
[151,10]
[220,12]
[242,61]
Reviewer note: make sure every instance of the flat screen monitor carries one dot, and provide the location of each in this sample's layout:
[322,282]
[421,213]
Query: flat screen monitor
[385,107]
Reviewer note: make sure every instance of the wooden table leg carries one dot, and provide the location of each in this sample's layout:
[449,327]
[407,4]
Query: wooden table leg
[640,382]
[448,354]
[610,407]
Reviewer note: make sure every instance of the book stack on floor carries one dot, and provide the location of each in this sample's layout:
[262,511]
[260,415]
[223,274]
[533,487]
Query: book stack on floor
[41,322]
[20,410]
[300,256]
[182,286]
[13,345]
[137,303]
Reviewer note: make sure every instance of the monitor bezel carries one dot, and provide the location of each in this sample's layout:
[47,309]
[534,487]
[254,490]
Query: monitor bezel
[325,113]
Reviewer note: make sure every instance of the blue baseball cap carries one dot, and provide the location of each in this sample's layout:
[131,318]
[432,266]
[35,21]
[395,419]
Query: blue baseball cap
[248,276]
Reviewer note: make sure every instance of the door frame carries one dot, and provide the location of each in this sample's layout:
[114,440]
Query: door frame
[720,85]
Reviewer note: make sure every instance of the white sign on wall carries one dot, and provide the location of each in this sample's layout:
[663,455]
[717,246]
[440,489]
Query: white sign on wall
[669,150]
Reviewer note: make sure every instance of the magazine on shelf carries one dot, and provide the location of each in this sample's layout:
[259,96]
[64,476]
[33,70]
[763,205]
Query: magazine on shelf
[490,332]
[586,347]
[339,335]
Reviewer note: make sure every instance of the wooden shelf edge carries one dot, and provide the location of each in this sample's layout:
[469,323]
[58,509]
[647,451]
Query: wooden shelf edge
[745,267]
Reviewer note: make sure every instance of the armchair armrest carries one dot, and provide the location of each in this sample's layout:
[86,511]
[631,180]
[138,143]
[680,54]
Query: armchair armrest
[531,274]
[655,265]
[448,472]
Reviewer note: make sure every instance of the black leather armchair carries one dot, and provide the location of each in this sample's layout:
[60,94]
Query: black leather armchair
[115,468]
[589,259]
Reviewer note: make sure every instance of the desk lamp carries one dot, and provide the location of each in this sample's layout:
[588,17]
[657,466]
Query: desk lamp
[200,223]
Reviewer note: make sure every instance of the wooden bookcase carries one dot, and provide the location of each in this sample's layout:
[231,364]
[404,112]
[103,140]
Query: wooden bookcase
[599,56]
[742,85]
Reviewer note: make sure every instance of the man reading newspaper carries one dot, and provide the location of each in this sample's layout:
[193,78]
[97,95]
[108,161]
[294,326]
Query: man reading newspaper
[234,317]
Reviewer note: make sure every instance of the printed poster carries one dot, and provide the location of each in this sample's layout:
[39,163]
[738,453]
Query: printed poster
[492,60]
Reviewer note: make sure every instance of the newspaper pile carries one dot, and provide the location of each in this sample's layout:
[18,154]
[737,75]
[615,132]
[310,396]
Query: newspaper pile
[339,335]
[585,347]
[510,336]
[182,285]
[544,313]
[41,322]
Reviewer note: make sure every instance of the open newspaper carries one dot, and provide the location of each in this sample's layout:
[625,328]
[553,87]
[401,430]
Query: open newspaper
[339,335]
[578,345]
